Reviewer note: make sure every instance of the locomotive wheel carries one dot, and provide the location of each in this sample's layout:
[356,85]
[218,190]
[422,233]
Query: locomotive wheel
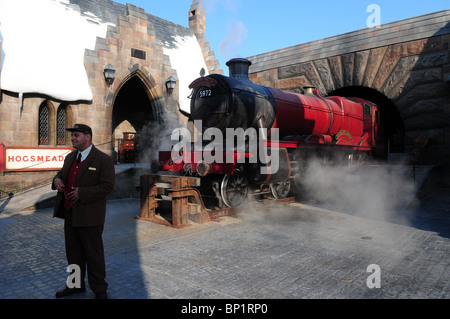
[281,190]
[234,189]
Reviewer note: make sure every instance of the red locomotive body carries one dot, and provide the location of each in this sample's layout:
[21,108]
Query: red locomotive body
[332,120]
[292,126]
[127,148]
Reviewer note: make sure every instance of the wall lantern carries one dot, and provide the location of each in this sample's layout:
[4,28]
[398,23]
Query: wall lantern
[170,84]
[109,72]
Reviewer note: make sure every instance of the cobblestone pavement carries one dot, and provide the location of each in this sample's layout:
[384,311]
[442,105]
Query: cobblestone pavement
[268,251]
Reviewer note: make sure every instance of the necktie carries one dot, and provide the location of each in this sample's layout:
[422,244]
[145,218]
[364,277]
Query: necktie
[79,158]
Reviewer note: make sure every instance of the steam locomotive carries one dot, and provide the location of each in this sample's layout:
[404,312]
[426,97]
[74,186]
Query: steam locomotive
[291,128]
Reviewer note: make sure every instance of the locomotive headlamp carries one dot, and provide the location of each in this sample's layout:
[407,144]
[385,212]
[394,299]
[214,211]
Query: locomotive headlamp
[203,168]
[109,72]
[170,84]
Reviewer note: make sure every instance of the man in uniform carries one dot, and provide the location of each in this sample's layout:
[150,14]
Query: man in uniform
[83,183]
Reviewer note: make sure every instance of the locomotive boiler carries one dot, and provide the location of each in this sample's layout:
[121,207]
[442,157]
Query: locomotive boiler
[292,126]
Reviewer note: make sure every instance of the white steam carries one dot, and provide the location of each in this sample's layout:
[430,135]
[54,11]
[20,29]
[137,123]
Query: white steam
[234,38]
[236,30]
[378,192]
[155,136]
[369,191]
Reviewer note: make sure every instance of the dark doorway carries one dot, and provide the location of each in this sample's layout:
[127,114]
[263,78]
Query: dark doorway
[393,124]
[133,104]
[133,110]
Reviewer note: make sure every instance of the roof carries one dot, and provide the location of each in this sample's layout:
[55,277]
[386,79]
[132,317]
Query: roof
[108,11]
[69,27]
[411,29]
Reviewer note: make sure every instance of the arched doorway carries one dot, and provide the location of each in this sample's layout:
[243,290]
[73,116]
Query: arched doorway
[394,130]
[134,109]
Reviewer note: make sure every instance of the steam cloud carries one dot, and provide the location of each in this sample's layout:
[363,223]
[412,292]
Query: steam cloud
[236,30]
[374,191]
[155,137]
[229,47]
[370,191]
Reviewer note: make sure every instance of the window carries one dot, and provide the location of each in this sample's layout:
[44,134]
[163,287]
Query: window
[44,124]
[61,124]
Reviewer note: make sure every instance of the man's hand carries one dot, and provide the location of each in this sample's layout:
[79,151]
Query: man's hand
[73,195]
[59,184]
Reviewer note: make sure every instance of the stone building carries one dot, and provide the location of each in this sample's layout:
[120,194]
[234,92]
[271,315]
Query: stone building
[55,58]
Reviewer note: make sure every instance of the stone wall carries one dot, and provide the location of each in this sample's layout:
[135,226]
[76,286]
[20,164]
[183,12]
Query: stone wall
[133,32]
[197,23]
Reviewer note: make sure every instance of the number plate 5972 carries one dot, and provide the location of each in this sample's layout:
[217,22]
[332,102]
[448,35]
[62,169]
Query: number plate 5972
[205,93]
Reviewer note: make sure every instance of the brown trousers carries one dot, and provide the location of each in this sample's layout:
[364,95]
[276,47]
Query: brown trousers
[84,247]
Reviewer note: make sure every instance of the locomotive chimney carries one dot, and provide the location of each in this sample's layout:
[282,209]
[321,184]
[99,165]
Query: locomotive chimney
[238,68]
[309,90]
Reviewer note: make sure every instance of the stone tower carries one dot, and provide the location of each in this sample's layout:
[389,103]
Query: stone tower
[197,19]
[197,23]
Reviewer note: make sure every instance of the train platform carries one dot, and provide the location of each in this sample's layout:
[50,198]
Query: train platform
[37,197]
[269,250]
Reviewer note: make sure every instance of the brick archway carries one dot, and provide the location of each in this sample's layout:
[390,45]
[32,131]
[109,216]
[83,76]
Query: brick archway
[139,80]
[138,103]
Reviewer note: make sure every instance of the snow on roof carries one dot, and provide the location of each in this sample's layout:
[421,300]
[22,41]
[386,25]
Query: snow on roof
[186,57]
[43,45]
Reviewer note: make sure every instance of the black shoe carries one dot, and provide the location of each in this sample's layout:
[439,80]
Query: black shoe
[101,295]
[69,291]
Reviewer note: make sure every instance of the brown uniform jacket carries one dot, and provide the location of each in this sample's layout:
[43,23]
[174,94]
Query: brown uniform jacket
[95,180]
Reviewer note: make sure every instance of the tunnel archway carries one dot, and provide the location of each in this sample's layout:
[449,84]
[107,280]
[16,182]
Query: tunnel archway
[394,129]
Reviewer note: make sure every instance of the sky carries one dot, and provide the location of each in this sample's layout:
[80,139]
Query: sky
[242,28]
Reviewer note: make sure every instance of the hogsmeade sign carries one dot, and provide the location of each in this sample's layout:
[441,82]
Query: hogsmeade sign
[32,158]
